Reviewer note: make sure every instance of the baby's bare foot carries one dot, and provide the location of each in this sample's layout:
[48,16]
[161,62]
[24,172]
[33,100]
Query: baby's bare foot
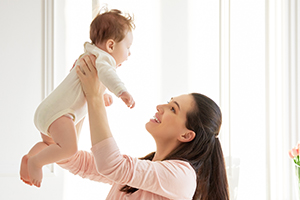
[24,171]
[35,173]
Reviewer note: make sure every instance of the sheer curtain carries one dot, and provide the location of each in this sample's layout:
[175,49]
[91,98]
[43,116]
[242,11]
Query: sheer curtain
[282,95]
[259,95]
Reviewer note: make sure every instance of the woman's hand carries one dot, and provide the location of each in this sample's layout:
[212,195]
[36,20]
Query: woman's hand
[88,76]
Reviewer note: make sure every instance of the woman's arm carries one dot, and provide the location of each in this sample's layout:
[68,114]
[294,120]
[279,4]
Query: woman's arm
[171,179]
[83,164]
[94,91]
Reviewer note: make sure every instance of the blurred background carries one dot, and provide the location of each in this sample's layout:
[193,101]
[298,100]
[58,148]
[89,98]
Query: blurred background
[243,54]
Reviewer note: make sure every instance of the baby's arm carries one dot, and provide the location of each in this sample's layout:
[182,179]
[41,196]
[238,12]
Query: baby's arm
[127,98]
[115,85]
[108,76]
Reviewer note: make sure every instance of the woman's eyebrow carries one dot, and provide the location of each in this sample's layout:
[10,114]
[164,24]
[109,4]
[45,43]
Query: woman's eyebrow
[175,103]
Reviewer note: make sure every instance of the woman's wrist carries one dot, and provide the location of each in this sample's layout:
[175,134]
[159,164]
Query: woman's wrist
[95,103]
[98,99]
[99,127]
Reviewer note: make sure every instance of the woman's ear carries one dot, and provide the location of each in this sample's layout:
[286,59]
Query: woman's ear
[187,136]
[110,45]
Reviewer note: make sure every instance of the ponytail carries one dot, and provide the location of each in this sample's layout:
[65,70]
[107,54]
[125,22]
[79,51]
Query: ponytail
[208,160]
[212,181]
[219,175]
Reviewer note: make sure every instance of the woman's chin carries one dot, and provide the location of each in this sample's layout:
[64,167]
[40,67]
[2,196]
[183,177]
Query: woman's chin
[148,126]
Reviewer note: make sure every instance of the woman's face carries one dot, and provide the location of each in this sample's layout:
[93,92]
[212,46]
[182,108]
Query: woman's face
[168,122]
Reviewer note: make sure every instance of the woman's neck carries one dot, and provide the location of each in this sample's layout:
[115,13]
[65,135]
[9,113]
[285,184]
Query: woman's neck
[163,149]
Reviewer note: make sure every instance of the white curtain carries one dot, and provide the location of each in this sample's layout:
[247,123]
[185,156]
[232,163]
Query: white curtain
[270,173]
[282,95]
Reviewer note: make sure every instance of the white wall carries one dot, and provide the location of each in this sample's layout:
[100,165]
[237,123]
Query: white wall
[22,87]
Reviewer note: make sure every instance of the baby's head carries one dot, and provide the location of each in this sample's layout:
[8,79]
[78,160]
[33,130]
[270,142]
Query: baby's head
[111,31]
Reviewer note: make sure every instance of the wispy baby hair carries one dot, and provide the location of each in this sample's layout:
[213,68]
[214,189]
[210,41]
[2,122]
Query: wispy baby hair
[110,24]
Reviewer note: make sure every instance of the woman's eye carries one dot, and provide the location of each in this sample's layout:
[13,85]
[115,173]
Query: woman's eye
[173,109]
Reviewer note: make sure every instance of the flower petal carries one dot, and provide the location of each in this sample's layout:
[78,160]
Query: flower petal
[294,152]
[290,154]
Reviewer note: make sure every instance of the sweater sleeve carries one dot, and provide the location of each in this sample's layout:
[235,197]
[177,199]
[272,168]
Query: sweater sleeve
[173,179]
[83,164]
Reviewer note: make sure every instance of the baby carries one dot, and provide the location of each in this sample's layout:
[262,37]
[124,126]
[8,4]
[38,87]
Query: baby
[60,115]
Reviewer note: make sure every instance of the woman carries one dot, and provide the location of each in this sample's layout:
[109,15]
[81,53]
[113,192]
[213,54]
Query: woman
[188,162]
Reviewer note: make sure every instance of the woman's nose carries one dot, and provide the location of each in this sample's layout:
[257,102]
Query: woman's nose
[159,108]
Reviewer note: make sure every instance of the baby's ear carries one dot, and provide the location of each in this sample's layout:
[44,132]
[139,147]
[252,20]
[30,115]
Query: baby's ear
[187,136]
[110,45]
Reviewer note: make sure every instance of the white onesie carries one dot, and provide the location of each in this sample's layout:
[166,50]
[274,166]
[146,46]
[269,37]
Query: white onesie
[68,97]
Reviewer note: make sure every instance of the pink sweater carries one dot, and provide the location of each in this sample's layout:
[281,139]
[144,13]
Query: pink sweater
[172,179]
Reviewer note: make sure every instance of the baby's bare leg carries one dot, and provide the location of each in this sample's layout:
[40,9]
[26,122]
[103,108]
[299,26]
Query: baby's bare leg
[63,134]
[34,150]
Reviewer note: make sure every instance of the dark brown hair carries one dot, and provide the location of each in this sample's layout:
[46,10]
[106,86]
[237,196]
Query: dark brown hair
[110,25]
[204,152]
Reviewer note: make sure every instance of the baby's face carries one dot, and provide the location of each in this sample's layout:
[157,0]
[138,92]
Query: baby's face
[122,49]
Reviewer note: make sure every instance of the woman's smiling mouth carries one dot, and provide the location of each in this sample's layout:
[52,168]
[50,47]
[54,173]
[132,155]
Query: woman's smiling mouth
[155,119]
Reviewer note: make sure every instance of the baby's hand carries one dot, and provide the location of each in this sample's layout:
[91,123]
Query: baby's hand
[128,100]
[108,100]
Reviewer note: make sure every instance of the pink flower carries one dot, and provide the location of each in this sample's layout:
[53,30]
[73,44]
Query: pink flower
[295,151]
